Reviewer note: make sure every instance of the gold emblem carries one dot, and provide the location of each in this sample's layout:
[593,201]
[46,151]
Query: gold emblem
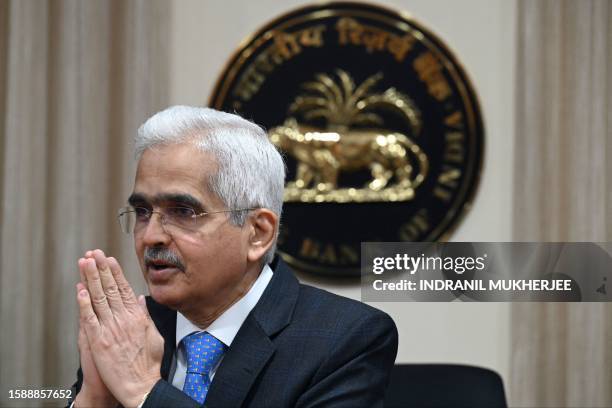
[378,122]
[396,163]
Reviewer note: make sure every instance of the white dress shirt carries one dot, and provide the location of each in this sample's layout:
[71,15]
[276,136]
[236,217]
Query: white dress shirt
[224,328]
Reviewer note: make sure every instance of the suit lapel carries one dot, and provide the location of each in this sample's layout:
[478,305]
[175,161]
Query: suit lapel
[253,347]
[242,363]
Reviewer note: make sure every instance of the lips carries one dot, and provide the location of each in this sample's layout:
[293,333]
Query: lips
[160,272]
[160,265]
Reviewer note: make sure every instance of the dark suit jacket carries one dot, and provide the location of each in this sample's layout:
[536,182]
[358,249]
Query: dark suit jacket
[299,347]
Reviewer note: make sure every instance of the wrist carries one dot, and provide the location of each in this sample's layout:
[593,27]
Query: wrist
[142,401]
[138,396]
[86,399]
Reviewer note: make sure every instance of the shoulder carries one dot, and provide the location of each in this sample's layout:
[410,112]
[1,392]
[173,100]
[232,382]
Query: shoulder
[338,340]
[325,308]
[316,310]
[326,332]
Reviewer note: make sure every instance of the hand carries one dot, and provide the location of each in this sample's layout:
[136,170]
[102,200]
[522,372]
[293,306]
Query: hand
[93,391]
[125,345]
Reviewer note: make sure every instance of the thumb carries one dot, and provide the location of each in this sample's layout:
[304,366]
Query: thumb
[82,342]
[152,331]
[143,305]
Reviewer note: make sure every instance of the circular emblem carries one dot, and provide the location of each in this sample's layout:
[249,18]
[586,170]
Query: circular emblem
[379,124]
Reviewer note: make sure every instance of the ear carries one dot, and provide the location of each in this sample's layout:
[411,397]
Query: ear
[263,226]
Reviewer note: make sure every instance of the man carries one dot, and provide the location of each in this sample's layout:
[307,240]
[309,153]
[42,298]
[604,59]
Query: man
[226,323]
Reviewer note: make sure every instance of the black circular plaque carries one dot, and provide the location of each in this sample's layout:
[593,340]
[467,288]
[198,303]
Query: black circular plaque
[379,125]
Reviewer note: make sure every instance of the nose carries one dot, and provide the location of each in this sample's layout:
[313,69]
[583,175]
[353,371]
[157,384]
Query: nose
[154,232]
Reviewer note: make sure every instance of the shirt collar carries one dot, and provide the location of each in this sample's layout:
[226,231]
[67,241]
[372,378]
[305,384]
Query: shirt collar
[226,326]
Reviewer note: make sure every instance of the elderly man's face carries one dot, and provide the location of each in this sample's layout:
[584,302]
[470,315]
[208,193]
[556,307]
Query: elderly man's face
[213,253]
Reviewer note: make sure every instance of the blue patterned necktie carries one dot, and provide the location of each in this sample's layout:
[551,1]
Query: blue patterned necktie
[203,353]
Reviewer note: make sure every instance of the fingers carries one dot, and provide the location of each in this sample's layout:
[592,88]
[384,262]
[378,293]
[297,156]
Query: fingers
[109,290]
[96,296]
[125,290]
[82,342]
[89,320]
[88,254]
[81,270]
[109,285]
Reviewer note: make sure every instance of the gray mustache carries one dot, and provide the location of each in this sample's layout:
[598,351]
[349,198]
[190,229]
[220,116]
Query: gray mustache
[164,255]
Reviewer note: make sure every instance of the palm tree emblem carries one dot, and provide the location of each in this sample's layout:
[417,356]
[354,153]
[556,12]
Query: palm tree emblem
[350,135]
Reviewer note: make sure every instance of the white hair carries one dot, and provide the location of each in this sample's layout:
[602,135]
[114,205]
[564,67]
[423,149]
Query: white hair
[251,172]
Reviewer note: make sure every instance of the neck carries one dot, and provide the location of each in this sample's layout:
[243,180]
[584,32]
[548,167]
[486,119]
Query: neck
[203,315]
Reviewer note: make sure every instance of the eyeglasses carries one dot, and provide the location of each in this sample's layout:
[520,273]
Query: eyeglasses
[134,219]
